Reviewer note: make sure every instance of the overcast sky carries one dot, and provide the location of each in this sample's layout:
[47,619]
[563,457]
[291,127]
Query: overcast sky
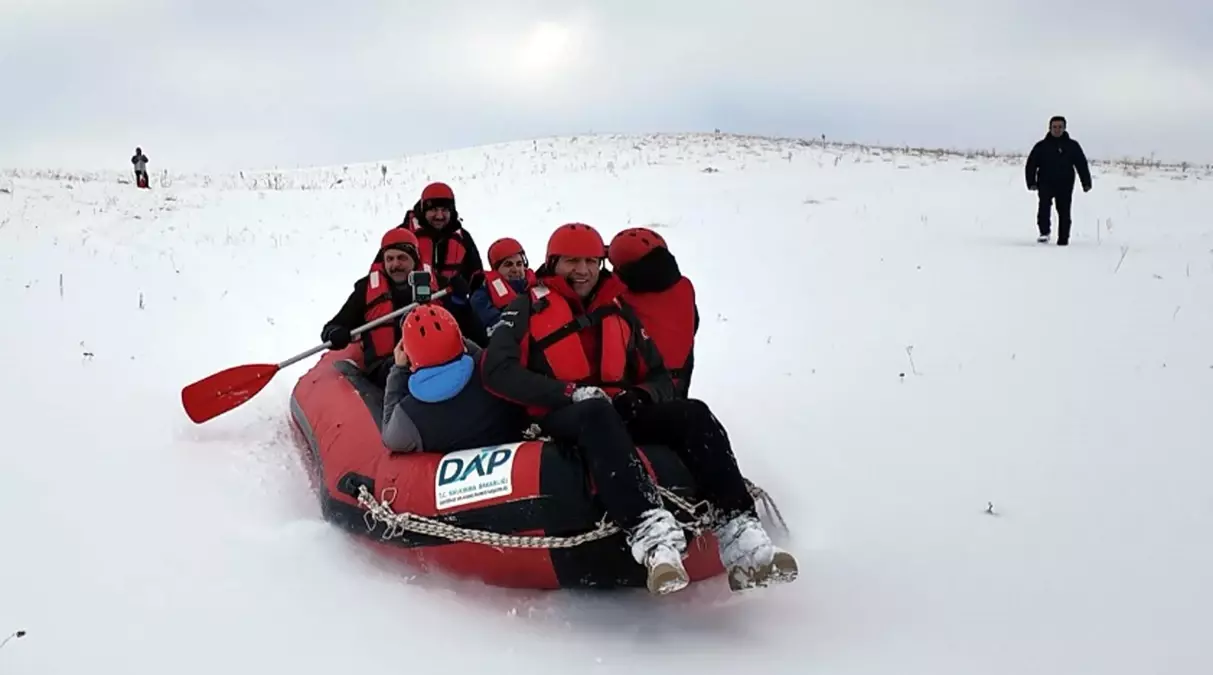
[224,84]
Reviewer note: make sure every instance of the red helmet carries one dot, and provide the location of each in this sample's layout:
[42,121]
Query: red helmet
[576,240]
[431,337]
[633,244]
[398,237]
[437,191]
[502,249]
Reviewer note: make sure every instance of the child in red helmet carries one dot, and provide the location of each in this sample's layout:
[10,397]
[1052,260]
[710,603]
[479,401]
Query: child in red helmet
[435,400]
[509,274]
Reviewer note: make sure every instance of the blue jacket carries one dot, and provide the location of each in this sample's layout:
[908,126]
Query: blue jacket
[483,305]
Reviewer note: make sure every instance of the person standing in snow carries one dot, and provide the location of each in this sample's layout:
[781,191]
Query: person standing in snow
[435,400]
[446,247]
[571,352]
[509,274]
[139,160]
[663,299]
[1050,172]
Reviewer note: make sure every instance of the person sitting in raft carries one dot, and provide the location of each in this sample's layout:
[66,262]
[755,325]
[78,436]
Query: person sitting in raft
[663,299]
[384,289]
[509,274]
[569,350]
[435,400]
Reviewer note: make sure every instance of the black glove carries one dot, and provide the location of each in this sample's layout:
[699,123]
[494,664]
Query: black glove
[459,290]
[1031,186]
[458,286]
[338,336]
[629,402]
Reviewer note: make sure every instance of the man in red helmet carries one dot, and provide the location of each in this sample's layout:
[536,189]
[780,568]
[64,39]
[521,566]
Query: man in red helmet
[384,289]
[435,399]
[509,274]
[662,298]
[569,350]
[449,250]
[445,245]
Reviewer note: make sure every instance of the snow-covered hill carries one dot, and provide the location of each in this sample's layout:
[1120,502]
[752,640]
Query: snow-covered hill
[994,455]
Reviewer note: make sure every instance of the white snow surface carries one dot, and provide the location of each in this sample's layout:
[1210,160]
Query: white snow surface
[889,348]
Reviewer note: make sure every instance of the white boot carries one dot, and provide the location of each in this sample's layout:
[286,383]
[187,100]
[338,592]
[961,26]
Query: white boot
[658,543]
[750,558]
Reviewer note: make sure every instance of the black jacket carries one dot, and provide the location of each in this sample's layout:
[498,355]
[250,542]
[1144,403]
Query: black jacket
[1052,163]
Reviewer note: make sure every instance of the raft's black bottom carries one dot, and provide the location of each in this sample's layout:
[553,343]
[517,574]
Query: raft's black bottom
[564,508]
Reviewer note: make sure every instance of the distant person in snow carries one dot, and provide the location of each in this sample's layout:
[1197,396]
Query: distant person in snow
[139,160]
[383,290]
[509,274]
[662,298]
[574,355]
[1050,172]
[435,400]
[447,248]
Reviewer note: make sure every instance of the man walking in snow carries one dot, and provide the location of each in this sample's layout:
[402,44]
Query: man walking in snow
[1050,172]
[139,160]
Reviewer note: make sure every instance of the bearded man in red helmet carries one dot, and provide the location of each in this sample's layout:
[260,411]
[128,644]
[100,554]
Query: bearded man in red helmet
[570,351]
[384,289]
[509,274]
[448,250]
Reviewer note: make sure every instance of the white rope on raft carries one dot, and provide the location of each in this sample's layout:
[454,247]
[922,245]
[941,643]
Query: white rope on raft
[396,524]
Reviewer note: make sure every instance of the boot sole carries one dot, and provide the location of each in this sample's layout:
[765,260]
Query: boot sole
[665,578]
[783,569]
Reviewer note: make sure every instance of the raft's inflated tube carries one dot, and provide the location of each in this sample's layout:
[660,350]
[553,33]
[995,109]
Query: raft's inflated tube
[524,488]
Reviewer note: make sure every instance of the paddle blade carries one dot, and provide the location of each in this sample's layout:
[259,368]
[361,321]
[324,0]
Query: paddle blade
[216,394]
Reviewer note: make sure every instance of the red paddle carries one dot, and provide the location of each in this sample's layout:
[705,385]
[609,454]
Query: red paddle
[227,389]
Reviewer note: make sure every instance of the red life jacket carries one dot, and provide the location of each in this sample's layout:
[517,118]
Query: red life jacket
[501,293]
[380,341]
[669,318]
[454,249]
[591,349]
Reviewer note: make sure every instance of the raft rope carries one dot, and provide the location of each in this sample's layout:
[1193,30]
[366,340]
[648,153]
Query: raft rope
[701,517]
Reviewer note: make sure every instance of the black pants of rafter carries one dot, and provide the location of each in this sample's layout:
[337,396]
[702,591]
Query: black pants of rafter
[689,428]
[608,446]
[1063,199]
[623,483]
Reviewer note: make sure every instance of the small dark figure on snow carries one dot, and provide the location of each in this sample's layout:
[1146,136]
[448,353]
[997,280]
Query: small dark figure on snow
[140,163]
[1050,171]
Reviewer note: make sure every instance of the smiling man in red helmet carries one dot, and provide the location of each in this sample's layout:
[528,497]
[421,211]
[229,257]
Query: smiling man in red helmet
[509,274]
[570,352]
[444,244]
[448,250]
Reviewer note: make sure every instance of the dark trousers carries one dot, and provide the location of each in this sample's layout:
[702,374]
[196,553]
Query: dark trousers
[1063,199]
[687,426]
[141,178]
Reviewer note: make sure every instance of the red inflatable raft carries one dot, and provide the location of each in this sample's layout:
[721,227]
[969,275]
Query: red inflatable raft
[531,488]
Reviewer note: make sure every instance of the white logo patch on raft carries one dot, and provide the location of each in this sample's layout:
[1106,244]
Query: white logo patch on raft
[475,475]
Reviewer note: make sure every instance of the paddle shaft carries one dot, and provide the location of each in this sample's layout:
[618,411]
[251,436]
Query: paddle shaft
[359,330]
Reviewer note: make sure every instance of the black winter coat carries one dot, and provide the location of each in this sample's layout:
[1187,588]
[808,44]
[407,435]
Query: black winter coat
[1052,163]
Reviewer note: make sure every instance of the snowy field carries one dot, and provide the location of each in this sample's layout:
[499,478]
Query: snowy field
[994,455]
